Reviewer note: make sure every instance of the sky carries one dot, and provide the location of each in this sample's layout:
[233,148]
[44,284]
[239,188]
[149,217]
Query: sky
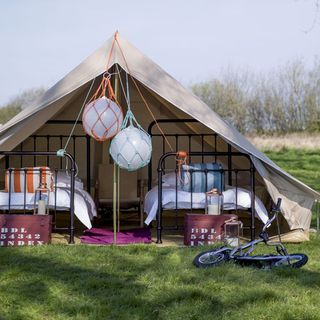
[193,40]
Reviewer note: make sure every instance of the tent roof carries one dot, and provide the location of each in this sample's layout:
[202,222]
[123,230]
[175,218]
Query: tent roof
[147,73]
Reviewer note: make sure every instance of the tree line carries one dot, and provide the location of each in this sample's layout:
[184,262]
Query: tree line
[284,101]
[19,102]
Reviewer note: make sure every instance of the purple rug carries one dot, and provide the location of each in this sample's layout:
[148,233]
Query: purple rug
[104,236]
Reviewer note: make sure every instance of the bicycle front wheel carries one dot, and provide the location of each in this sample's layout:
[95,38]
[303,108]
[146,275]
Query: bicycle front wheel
[211,258]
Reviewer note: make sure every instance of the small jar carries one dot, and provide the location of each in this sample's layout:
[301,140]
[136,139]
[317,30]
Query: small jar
[214,202]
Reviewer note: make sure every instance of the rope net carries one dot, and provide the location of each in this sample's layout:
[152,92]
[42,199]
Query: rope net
[102,116]
[131,148]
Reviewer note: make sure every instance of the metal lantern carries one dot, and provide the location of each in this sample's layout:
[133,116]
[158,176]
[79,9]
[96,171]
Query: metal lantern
[42,198]
[214,202]
[131,148]
[233,230]
[102,118]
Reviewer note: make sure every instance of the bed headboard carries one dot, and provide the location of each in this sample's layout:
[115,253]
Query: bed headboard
[177,139]
[79,147]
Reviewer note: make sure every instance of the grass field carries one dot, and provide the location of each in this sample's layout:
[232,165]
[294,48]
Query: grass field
[149,282]
[302,164]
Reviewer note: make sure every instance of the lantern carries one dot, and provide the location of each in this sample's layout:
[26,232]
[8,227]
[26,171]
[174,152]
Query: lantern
[102,118]
[233,230]
[214,201]
[41,195]
[131,148]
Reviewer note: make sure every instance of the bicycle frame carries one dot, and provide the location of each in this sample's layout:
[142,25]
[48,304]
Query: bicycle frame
[251,245]
[263,238]
[241,254]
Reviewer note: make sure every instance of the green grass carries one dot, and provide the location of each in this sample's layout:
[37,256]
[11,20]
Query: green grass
[302,164]
[149,282]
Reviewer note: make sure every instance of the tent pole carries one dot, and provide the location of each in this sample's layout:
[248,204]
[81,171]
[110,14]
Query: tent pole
[118,96]
[118,197]
[114,203]
[253,228]
[318,214]
[229,165]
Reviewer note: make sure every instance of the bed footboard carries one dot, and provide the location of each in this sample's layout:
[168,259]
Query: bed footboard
[229,171]
[25,185]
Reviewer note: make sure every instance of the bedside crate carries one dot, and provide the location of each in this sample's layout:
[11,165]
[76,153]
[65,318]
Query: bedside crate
[24,230]
[201,229]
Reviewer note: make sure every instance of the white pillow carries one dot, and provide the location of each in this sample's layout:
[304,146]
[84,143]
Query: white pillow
[63,181]
[170,179]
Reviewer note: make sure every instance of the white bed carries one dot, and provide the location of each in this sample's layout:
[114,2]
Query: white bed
[198,201]
[84,206]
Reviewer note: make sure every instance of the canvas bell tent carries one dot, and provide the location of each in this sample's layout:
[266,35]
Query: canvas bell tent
[151,88]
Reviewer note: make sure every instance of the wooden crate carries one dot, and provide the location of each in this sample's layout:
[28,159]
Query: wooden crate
[201,229]
[24,230]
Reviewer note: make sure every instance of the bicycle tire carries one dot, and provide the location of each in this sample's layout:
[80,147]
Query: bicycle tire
[212,258]
[303,259]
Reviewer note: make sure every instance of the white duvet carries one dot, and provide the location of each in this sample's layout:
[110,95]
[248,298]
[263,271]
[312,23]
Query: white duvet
[84,207]
[198,201]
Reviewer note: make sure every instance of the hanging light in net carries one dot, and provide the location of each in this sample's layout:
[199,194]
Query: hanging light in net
[131,148]
[102,117]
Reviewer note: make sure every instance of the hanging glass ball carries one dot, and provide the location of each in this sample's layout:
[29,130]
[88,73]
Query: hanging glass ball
[102,119]
[131,148]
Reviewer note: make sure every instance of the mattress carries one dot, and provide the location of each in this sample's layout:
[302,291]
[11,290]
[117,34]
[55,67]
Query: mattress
[233,198]
[84,207]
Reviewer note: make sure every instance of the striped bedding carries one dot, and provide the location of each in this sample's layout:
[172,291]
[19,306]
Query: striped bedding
[200,181]
[28,179]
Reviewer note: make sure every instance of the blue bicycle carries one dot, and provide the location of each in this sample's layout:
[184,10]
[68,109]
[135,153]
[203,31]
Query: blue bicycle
[242,254]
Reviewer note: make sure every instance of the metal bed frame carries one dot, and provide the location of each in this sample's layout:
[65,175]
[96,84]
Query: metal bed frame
[230,171]
[160,169]
[48,154]
[60,137]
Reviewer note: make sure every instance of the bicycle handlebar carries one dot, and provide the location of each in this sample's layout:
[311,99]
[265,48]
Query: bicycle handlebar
[277,207]
[275,210]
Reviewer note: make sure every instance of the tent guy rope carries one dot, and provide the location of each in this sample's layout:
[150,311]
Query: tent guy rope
[140,93]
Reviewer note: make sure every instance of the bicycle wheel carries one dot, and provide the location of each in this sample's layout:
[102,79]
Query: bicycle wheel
[295,260]
[211,258]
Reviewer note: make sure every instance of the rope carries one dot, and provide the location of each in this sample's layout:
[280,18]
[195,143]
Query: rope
[182,159]
[141,95]
[61,152]
[94,129]
[111,50]
[129,115]
[104,85]
[122,86]
[77,119]
[126,93]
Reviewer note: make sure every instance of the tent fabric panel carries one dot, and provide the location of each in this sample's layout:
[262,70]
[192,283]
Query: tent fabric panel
[298,196]
[153,77]
[18,133]
[86,71]
[296,205]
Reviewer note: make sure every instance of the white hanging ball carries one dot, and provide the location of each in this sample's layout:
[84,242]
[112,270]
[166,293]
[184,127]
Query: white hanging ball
[131,148]
[102,119]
